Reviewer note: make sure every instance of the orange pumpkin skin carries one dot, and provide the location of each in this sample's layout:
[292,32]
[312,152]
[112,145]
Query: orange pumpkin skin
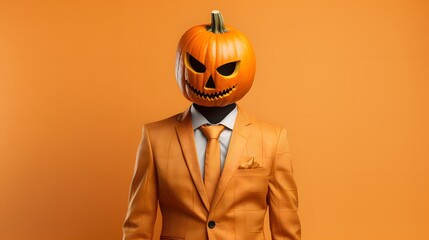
[207,85]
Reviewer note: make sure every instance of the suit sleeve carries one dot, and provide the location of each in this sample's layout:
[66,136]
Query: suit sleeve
[143,198]
[283,196]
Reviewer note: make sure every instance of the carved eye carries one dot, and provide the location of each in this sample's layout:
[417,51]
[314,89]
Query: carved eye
[195,64]
[227,69]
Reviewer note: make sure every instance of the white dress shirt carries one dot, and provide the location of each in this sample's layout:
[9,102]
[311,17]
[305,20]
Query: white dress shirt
[201,141]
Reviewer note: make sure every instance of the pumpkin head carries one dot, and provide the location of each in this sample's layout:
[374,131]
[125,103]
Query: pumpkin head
[215,66]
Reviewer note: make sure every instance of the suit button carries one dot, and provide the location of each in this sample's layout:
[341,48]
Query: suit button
[211,224]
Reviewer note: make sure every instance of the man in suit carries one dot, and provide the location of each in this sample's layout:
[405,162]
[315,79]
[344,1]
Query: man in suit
[214,169]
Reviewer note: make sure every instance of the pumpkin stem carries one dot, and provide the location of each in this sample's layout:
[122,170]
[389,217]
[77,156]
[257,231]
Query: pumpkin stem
[217,25]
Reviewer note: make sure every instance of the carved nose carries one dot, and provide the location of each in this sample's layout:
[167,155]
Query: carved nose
[210,83]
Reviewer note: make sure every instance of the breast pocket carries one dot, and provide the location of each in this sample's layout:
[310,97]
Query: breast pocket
[252,172]
[249,166]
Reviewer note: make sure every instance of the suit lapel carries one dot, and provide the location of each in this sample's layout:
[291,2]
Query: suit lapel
[185,134]
[235,152]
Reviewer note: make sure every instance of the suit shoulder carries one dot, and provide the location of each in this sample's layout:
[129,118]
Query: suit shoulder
[266,134]
[162,125]
[266,126]
[165,121]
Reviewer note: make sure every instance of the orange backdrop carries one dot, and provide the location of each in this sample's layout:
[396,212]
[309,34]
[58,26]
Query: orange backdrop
[348,79]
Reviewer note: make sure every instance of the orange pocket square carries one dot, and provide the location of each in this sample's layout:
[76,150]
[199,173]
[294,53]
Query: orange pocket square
[249,164]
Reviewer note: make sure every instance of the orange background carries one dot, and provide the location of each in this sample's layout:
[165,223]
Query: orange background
[348,79]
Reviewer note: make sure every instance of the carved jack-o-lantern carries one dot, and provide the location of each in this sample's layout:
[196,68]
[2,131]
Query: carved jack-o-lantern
[215,66]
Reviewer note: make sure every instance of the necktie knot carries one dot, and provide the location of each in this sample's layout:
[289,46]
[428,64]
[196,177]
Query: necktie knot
[212,131]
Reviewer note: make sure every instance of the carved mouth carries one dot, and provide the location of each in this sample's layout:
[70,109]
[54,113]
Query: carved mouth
[211,96]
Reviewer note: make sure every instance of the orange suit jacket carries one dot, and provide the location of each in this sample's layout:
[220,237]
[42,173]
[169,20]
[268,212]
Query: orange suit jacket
[257,174]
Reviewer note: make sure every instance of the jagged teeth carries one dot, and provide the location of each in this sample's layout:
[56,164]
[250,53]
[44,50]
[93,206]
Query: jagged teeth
[211,96]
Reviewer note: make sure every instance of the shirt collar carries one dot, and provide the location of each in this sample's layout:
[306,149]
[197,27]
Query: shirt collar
[198,119]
